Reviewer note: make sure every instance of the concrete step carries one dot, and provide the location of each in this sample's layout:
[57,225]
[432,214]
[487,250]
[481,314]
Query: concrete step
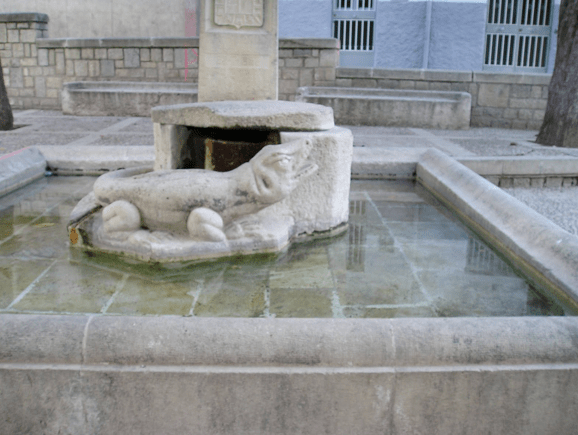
[393,107]
[123,98]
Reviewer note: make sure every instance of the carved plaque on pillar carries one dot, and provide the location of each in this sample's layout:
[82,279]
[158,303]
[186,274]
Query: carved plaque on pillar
[239,13]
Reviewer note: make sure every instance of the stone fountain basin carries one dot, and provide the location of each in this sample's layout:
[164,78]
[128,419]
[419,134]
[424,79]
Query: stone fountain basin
[109,374]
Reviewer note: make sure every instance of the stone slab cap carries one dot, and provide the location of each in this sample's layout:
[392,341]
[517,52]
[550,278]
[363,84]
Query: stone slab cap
[22,17]
[277,115]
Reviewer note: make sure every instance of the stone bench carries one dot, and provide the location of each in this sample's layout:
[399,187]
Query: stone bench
[123,98]
[392,107]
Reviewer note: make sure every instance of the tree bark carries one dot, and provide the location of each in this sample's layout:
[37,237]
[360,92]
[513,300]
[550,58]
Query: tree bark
[560,126]
[6,117]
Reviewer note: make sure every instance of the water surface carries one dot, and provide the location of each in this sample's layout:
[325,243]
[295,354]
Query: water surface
[403,256]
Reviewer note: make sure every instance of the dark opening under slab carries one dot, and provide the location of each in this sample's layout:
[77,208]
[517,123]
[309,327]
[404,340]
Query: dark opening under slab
[224,149]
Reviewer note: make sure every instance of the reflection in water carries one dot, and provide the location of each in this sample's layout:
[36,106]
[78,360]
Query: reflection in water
[357,237]
[482,260]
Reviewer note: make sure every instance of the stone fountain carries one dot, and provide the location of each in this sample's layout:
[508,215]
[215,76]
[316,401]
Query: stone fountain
[237,173]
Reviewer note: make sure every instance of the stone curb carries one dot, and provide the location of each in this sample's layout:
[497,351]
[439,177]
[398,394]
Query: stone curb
[535,245]
[20,168]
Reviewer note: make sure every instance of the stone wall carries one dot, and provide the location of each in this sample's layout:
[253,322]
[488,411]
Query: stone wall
[35,67]
[498,100]
[19,53]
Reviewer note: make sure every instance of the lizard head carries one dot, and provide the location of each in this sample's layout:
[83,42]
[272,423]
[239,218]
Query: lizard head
[278,169]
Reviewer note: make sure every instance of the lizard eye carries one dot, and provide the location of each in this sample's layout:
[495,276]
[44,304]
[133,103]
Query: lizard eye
[283,162]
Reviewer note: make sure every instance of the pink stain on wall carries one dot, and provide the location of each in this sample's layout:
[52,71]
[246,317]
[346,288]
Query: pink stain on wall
[190,31]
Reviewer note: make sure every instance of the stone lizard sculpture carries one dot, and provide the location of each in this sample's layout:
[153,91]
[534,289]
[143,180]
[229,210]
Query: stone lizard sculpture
[208,205]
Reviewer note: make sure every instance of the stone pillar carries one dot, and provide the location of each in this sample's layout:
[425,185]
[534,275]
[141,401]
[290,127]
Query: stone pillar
[238,50]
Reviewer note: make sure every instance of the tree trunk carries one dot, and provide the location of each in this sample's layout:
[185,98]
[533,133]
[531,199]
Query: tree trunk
[560,126]
[6,118]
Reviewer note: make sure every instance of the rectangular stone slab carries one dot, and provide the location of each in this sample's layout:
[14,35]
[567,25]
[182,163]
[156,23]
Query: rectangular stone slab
[171,122]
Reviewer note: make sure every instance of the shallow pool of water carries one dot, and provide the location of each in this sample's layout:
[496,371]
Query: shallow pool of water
[403,256]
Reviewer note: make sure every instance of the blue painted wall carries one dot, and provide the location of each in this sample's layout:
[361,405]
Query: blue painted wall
[457,36]
[305,18]
[399,40]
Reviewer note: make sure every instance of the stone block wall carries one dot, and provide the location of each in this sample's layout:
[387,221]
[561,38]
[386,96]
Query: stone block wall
[306,62]
[19,53]
[498,100]
[58,61]
[510,100]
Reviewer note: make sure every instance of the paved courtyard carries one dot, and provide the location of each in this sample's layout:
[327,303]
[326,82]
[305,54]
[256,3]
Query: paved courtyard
[51,131]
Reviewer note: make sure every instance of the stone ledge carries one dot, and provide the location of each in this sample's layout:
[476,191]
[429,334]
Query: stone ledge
[392,107]
[327,43]
[123,98]
[118,42]
[308,343]
[518,79]
[406,74]
[443,76]
[19,17]
[308,43]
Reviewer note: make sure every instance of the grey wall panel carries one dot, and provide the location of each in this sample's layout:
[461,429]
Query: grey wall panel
[457,36]
[305,19]
[400,34]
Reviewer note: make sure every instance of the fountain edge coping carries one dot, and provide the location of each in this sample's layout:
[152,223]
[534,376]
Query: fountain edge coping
[542,250]
[19,168]
[309,343]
